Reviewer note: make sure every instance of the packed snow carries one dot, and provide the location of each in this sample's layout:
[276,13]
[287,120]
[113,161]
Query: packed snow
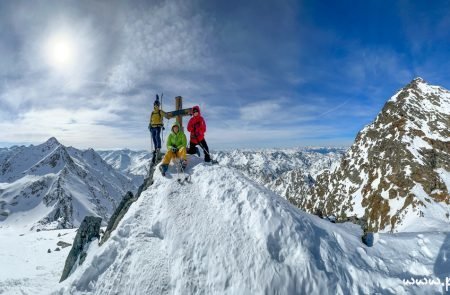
[223,233]
[26,265]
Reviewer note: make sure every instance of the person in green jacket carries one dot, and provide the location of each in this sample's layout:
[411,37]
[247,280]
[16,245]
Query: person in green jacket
[176,148]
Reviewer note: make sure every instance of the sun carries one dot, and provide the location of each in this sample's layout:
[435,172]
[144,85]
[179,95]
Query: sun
[60,52]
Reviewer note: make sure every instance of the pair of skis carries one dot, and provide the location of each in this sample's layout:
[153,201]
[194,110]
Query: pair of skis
[182,176]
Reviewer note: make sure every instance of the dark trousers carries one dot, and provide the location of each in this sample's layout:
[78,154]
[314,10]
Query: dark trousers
[156,137]
[204,147]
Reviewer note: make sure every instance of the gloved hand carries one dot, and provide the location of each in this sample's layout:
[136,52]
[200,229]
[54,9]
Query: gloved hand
[149,127]
[174,149]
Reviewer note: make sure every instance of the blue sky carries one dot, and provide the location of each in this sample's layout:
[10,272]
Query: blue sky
[265,73]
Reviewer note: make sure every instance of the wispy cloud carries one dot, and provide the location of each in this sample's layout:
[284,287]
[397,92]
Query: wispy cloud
[172,40]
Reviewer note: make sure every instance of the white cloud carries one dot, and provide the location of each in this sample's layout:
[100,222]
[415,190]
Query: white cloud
[260,111]
[68,125]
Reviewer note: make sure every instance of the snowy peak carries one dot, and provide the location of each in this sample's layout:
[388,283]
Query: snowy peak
[397,173]
[55,161]
[53,186]
[51,142]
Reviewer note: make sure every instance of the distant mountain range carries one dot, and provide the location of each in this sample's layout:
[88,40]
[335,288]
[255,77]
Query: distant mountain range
[52,186]
[290,173]
[131,163]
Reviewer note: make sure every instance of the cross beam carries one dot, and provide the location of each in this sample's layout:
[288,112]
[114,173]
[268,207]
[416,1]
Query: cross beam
[179,111]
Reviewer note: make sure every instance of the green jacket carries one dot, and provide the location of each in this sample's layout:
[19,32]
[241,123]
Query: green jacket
[178,139]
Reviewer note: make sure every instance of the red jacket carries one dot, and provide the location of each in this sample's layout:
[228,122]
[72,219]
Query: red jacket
[197,127]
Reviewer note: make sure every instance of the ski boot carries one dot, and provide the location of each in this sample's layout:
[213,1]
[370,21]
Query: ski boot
[163,168]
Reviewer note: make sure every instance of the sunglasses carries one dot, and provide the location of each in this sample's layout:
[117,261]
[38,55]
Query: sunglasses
[195,111]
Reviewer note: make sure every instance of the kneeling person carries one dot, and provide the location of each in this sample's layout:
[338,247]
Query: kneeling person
[176,148]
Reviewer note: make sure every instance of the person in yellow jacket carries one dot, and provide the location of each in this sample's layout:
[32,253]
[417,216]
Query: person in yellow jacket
[176,148]
[156,124]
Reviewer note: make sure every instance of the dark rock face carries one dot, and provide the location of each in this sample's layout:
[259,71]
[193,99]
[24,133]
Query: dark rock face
[398,166]
[123,207]
[63,244]
[126,202]
[89,230]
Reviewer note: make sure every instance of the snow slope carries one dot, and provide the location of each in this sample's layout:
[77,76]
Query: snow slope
[225,234]
[26,267]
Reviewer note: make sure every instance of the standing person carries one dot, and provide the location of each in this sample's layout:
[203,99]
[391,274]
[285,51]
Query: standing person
[197,128]
[155,126]
[176,148]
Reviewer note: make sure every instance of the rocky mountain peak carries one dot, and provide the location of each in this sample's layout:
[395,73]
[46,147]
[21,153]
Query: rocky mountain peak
[52,141]
[398,167]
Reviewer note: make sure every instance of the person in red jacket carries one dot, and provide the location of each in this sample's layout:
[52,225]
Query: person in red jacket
[197,128]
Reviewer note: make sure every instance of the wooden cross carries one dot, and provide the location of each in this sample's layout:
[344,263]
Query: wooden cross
[179,111]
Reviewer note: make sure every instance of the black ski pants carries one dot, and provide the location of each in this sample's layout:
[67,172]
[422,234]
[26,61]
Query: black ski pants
[204,147]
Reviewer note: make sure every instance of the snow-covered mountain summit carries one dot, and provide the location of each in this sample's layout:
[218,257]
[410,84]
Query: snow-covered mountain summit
[396,175]
[223,233]
[50,185]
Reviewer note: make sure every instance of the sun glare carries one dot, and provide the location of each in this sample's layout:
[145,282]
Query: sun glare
[60,52]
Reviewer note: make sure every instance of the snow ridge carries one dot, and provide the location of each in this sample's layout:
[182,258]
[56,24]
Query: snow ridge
[225,234]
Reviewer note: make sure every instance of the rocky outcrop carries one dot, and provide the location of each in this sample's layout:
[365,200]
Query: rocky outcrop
[88,231]
[123,207]
[294,185]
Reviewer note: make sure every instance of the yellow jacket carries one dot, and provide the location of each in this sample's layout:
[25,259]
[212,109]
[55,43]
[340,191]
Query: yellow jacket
[156,117]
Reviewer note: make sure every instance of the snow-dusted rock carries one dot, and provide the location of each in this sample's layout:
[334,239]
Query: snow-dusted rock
[396,175]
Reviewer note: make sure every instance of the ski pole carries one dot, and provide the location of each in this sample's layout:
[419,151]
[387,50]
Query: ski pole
[162,128]
[204,150]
